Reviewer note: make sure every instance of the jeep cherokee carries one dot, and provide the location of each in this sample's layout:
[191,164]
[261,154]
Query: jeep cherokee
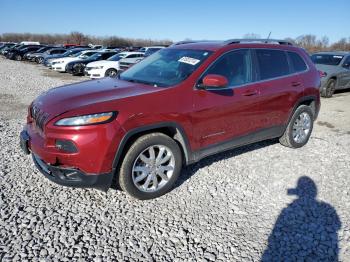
[181,104]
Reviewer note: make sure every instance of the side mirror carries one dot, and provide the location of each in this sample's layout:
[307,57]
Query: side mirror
[213,81]
[346,65]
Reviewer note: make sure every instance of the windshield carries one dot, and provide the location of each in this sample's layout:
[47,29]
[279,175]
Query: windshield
[116,57]
[87,55]
[326,59]
[167,67]
[95,56]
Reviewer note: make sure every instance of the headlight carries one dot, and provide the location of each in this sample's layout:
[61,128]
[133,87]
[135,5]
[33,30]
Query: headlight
[97,67]
[87,119]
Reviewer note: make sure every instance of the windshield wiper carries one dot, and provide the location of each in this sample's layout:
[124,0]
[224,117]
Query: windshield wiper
[142,82]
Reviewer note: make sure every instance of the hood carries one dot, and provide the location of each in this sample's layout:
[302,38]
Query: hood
[327,68]
[90,93]
[102,63]
[67,59]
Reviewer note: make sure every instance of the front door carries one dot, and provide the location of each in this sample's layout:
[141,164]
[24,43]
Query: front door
[222,115]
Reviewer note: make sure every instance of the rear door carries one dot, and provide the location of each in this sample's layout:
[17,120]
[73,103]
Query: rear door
[280,87]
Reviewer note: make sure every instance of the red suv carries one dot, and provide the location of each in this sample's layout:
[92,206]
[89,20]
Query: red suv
[183,103]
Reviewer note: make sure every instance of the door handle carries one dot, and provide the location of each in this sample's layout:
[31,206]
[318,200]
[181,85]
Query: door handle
[250,93]
[296,83]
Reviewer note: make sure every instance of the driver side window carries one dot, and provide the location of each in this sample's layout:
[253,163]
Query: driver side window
[235,66]
[346,63]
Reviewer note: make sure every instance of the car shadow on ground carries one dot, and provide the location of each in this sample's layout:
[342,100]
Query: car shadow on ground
[306,230]
[191,170]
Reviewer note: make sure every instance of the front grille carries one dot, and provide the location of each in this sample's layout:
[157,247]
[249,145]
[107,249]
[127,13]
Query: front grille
[38,116]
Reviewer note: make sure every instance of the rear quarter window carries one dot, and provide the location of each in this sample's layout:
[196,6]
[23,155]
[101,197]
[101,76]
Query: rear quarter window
[298,64]
[272,63]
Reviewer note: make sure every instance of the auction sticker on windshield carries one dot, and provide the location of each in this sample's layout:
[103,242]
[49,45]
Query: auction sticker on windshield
[189,60]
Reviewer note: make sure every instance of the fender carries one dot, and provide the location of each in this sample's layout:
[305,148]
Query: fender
[300,101]
[180,136]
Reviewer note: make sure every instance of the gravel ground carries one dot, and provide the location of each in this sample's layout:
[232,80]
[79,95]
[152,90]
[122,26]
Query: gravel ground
[234,206]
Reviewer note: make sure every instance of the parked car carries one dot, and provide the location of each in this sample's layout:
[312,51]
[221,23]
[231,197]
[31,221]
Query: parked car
[77,67]
[125,63]
[60,64]
[7,49]
[182,104]
[19,53]
[6,45]
[39,58]
[69,53]
[109,67]
[30,43]
[151,50]
[335,71]
[32,55]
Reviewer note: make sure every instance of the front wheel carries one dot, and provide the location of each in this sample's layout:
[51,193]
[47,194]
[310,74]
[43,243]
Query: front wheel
[299,128]
[39,60]
[151,166]
[111,72]
[18,58]
[328,91]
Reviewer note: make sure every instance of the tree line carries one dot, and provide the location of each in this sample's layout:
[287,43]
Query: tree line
[309,42]
[79,38]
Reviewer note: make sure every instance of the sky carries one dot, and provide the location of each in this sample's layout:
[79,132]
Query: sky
[180,19]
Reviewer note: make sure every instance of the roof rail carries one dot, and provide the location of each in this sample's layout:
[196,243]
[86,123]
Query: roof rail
[184,42]
[263,41]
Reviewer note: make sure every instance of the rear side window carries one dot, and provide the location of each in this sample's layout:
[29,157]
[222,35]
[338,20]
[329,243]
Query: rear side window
[298,63]
[272,63]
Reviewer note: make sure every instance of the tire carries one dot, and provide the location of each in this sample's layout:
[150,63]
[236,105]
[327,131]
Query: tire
[330,88]
[303,114]
[111,72]
[39,60]
[133,181]
[18,58]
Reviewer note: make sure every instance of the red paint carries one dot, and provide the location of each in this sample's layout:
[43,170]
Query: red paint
[206,117]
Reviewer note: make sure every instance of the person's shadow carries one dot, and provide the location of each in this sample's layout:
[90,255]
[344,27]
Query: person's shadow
[306,230]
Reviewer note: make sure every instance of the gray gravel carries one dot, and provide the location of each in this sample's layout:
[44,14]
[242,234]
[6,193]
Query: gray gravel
[230,207]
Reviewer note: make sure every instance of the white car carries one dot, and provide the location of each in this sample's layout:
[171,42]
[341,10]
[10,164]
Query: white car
[60,64]
[127,62]
[110,67]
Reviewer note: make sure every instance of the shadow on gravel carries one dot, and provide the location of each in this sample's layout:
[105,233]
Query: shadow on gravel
[306,230]
[189,171]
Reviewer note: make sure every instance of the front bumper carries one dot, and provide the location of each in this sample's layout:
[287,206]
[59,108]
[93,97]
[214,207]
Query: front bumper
[61,169]
[94,73]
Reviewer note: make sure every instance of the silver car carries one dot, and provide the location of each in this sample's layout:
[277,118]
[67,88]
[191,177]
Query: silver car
[334,68]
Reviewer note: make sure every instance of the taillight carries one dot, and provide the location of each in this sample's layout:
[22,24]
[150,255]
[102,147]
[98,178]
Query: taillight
[322,74]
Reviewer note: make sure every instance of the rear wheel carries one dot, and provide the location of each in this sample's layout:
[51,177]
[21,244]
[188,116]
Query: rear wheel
[151,166]
[299,128]
[328,91]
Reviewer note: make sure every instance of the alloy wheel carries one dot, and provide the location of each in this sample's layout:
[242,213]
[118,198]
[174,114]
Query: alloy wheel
[153,168]
[301,127]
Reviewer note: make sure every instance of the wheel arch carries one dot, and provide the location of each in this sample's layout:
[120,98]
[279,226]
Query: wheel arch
[310,101]
[170,129]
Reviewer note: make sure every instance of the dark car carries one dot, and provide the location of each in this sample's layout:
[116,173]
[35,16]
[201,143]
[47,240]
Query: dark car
[77,67]
[7,49]
[6,45]
[19,53]
[69,52]
[180,105]
[335,71]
